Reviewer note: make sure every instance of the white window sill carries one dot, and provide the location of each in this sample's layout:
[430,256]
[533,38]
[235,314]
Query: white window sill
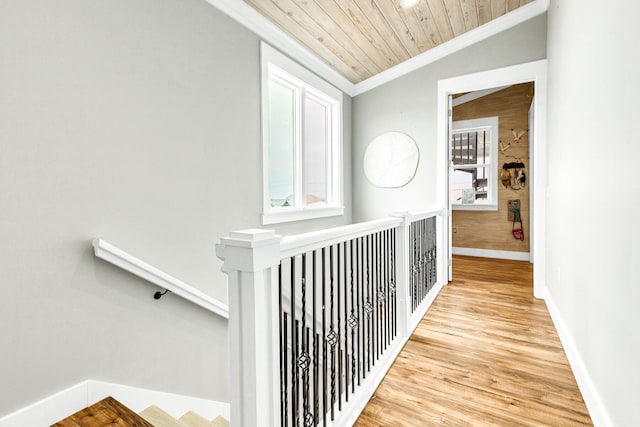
[474,207]
[290,215]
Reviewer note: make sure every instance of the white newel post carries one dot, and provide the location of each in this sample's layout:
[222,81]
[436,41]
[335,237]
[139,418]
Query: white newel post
[402,273]
[250,260]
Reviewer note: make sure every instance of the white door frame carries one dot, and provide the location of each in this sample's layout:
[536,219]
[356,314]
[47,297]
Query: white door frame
[529,72]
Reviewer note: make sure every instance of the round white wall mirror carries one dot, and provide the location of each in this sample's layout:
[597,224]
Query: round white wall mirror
[391,160]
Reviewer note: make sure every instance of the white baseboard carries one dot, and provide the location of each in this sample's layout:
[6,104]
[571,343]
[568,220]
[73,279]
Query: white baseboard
[69,401]
[491,253]
[595,405]
[50,409]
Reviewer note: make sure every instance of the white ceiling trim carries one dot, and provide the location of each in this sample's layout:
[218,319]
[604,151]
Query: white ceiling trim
[456,44]
[272,34]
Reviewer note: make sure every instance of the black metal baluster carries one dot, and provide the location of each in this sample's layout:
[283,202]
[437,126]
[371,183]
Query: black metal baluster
[422,260]
[331,337]
[339,321]
[422,257]
[412,264]
[285,374]
[324,341]
[372,293]
[294,362]
[314,307]
[381,344]
[426,256]
[374,306]
[304,359]
[359,296]
[363,304]
[369,307]
[418,283]
[353,320]
[280,342]
[378,296]
[294,347]
[346,320]
[393,285]
[385,283]
[378,299]
[429,255]
[435,250]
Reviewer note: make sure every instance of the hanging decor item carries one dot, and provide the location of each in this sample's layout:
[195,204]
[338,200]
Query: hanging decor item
[505,177]
[517,228]
[518,135]
[503,147]
[513,206]
[513,175]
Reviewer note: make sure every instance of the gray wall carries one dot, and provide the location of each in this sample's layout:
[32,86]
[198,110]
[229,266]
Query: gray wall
[592,248]
[409,104]
[138,122]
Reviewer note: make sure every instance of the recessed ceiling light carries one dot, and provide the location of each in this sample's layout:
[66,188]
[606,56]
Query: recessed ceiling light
[408,3]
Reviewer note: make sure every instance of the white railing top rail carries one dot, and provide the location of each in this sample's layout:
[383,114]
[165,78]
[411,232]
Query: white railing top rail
[128,262]
[306,242]
[301,243]
[426,214]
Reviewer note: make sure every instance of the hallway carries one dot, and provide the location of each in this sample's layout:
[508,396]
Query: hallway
[486,353]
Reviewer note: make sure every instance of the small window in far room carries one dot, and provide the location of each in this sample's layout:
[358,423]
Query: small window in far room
[474,156]
[302,142]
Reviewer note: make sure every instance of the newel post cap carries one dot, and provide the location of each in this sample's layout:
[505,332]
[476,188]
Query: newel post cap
[249,250]
[404,215]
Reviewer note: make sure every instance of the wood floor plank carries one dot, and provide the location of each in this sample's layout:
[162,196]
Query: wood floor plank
[486,353]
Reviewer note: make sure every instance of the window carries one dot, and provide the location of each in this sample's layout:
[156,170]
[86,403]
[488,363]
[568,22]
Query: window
[302,142]
[474,171]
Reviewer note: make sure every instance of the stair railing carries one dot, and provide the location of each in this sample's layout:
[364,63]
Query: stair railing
[317,319]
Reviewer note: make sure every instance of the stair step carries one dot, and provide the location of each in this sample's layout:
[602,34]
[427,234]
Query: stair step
[192,419]
[220,422]
[158,418]
[107,412]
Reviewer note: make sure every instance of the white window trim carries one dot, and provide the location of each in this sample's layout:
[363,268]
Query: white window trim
[275,62]
[474,124]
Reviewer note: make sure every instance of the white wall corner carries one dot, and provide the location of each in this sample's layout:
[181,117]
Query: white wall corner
[595,405]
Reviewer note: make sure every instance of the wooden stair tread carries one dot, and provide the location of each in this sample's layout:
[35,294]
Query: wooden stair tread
[159,418]
[191,419]
[220,422]
[107,412]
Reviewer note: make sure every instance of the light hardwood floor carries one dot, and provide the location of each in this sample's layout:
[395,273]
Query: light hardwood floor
[486,353]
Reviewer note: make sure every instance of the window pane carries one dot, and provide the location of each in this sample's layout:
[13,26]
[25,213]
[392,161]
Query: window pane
[315,152]
[469,185]
[471,147]
[281,151]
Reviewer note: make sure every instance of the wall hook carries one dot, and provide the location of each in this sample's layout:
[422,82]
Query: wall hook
[159,294]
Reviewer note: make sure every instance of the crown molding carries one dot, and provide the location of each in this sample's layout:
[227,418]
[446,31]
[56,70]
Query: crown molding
[245,15]
[248,17]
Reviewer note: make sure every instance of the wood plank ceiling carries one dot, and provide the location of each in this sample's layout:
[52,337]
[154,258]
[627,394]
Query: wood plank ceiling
[361,38]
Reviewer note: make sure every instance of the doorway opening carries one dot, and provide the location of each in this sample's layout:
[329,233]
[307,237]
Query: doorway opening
[481,83]
[490,174]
